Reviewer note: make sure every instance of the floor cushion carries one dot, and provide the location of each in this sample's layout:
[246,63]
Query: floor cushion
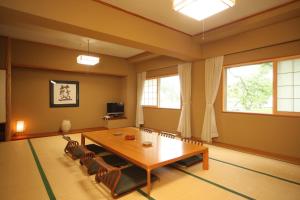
[190,161]
[95,148]
[132,178]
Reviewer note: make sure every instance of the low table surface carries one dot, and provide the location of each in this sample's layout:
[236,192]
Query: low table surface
[162,152]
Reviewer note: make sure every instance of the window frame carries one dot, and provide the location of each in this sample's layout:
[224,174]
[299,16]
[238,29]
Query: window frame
[157,86]
[274,61]
[158,93]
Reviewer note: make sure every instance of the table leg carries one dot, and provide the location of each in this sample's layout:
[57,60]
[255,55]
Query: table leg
[205,160]
[148,181]
[82,140]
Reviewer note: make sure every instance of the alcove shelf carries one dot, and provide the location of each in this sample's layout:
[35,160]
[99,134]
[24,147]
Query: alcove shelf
[115,122]
[115,118]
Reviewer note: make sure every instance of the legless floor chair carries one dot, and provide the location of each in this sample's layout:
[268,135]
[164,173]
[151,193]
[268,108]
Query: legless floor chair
[121,181]
[193,159]
[147,130]
[167,134]
[88,152]
[76,151]
[111,159]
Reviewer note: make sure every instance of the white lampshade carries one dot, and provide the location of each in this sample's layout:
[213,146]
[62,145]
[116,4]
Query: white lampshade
[87,60]
[20,126]
[201,9]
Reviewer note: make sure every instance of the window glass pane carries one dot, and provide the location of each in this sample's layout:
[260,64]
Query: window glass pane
[297,91]
[285,92]
[297,78]
[285,105]
[169,92]
[150,93]
[285,79]
[297,105]
[250,88]
[297,65]
[285,66]
[287,95]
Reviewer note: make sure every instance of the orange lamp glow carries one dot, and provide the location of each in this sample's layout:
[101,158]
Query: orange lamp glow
[20,126]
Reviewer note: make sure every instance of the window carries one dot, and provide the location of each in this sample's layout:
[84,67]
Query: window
[162,92]
[288,86]
[169,92]
[270,87]
[150,93]
[249,88]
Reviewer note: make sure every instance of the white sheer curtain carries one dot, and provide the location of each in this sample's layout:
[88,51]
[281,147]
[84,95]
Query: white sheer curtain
[213,70]
[139,118]
[184,126]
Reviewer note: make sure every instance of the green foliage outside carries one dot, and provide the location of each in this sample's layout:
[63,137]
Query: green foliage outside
[169,93]
[253,92]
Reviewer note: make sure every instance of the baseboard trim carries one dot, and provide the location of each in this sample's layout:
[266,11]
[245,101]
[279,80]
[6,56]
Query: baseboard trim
[47,134]
[289,159]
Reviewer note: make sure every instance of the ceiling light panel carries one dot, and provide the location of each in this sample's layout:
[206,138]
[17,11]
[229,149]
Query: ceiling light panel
[201,9]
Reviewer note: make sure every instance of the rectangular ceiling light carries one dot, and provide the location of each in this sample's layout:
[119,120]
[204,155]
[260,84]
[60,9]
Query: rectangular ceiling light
[87,60]
[201,9]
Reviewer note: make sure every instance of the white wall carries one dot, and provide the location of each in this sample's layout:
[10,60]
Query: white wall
[2,96]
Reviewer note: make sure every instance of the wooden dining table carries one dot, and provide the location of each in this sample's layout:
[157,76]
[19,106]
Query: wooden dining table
[163,150]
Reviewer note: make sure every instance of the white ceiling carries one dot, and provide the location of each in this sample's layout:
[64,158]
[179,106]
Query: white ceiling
[63,39]
[157,10]
[161,11]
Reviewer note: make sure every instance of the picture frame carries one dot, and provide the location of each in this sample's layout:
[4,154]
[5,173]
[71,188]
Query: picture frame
[63,93]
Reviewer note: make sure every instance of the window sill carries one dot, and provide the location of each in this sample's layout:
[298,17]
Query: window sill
[153,107]
[266,114]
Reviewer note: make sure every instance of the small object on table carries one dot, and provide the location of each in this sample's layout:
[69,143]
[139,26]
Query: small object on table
[147,144]
[129,137]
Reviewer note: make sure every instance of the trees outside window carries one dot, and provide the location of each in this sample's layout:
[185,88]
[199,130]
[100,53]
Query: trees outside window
[270,87]
[162,92]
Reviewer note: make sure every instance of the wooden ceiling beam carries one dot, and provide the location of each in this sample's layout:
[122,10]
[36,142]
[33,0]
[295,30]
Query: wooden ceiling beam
[141,57]
[91,19]
[259,20]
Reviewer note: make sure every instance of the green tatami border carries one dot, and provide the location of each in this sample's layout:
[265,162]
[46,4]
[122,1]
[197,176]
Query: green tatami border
[42,173]
[47,184]
[145,194]
[52,196]
[215,184]
[252,170]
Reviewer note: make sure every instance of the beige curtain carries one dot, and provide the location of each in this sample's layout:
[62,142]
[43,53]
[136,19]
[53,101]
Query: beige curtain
[213,70]
[141,77]
[184,126]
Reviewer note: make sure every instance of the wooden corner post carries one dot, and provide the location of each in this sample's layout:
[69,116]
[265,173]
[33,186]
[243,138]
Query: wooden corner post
[8,126]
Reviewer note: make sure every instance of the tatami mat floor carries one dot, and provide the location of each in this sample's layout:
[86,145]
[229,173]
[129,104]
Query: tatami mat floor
[232,175]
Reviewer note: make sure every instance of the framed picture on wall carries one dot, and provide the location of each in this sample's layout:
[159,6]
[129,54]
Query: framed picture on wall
[64,93]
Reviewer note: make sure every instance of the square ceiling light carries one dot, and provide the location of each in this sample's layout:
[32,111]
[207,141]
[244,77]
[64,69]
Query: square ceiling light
[201,9]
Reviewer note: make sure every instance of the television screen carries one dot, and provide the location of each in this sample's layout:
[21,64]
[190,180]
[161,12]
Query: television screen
[115,108]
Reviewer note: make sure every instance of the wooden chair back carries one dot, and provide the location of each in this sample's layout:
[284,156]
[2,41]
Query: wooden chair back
[167,134]
[147,130]
[108,175]
[73,146]
[88,155]
[192,141]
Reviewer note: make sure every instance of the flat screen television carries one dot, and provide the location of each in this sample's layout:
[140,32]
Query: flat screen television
[115,108]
